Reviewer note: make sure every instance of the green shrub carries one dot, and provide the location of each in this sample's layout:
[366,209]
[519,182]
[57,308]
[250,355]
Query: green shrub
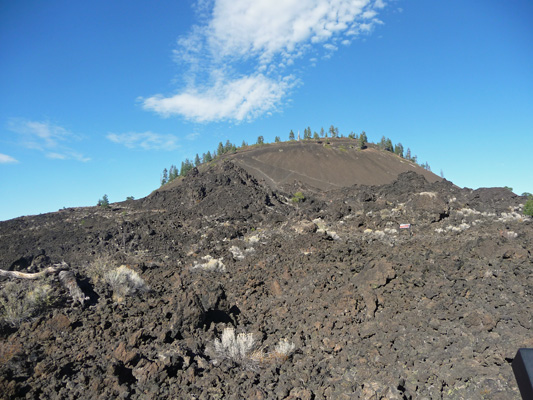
[528,207]
[298,197]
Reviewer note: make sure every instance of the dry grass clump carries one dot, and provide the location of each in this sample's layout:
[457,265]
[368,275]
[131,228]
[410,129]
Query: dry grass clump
[125,282]
[283,350]
[17,306]
[99,267]
[237,348]
[243,349]
[210,264]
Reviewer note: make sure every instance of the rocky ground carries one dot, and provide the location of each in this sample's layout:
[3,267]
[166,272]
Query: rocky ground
[335,300]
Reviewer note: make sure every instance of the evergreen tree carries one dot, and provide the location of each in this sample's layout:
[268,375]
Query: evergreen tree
[351,135]
[408,154]
[197,160]
[244,144]
[291,135]
[315,136]
[362,140]
[220,149]
[186,166]
[208,157]
[528,207]
[277,139]
[388,145]
[307,133]
[398,150]
[322,132]
[164,178]
[332,131]
[103,202]
[260,140]
[337,132]
[172,173]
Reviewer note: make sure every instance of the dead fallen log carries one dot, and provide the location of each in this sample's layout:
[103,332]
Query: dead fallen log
[37,275]
[67,279]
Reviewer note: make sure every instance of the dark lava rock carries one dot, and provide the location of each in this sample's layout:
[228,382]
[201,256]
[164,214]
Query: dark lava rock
[373,311]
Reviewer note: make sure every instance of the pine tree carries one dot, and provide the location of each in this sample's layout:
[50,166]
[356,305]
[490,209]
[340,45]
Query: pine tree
[228,147]
[260,140]
[351,135]
[172,173]
[197,160]
[307,133]
[408,154]
[332,131]
[164,178]
[322,132]
[244,144]
[208,157]
[315,136]
[388,145]
[220,149]
[291,135]
[362,140]
[398,150]
[277,139]
[103,202]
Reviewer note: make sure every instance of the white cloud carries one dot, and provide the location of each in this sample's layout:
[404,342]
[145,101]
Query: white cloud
[5,159]
[46,137]
[145,140]
[238,58]
[241,99]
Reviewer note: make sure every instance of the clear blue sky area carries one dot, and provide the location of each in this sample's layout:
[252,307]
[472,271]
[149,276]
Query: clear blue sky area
[97,97]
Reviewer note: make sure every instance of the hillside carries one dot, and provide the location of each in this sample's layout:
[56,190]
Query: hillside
[333,299]
[325,164]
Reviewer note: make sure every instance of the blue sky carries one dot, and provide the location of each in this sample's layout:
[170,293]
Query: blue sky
[98,97]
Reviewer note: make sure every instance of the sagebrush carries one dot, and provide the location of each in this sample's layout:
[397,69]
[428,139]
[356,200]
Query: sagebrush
[17,306]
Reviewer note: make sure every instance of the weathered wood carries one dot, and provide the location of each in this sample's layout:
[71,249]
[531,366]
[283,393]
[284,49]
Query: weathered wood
[24,275]
[68,280]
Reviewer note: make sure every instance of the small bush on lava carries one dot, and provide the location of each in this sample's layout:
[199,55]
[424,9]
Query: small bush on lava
[125,282]
[237,348]
[283,350]
[244,350]
[298,197]
[17,307]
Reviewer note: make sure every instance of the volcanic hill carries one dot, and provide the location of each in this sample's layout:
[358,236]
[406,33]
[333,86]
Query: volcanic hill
[226,285]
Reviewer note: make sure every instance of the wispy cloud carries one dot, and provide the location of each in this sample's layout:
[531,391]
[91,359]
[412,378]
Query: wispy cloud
[47,138]
[145,140]
[5,159]
[192,136]
[240,56]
